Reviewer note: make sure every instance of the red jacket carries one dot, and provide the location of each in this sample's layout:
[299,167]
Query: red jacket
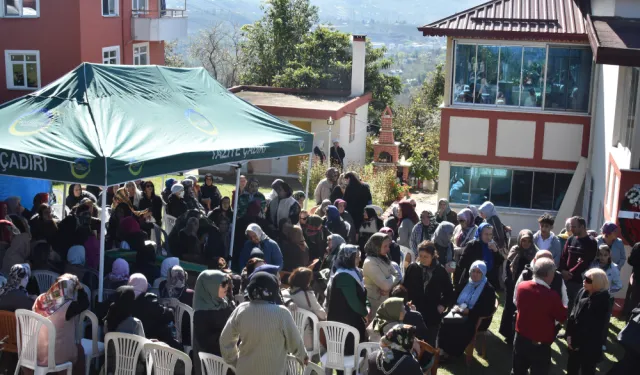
[539,308]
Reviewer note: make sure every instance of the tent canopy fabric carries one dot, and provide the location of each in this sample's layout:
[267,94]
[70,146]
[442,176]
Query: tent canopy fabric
[108,124]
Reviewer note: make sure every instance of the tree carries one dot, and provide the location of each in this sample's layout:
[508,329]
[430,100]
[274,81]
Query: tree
[433,87]
[171,57]
[217,49]
[270,43]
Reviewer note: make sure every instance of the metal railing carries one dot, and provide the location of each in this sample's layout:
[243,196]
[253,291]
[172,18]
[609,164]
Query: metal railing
[164,13]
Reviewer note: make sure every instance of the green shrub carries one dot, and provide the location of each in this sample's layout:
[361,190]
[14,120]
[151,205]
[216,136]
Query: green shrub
[318,171]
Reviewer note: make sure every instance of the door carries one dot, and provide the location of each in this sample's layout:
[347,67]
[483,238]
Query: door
[294,161]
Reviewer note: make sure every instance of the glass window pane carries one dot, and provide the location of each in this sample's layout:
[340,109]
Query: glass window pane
[568,79]
[143,49]
[543,191]
[631,108]
[501,187]
[143,59]
[509,79]
[533,76]
[32,75]
[521,189]
[562,184]
[31,58]
[18,75]
[17,57]
[480,182]
[486,75]
[459,185]
[465,72]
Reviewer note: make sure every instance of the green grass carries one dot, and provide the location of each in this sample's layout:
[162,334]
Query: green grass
[499,354]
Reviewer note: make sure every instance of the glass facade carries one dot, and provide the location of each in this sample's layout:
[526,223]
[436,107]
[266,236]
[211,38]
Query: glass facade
[508,187]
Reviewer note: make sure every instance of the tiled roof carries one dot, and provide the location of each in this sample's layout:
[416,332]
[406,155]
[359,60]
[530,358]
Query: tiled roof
[614,40]
[517,19]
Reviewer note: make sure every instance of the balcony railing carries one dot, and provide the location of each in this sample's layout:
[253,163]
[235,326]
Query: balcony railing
[168,13]
[159,23]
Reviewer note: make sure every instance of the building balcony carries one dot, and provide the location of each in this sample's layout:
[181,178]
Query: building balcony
[157,25]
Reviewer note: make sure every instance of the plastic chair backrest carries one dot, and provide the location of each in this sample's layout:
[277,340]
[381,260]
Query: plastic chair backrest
[300,317]
[45,279]
[27,332]
[294,367]
[164,359]
[169,302]
[336,336]
[8,330]
[180,309]
[156,282]
[363,362]
[128,348]
[213,365]
[313,369]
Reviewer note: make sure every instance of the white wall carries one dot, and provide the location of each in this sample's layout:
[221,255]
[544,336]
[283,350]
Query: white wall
[562,141]
[468,135]
[516,138]
[618,8]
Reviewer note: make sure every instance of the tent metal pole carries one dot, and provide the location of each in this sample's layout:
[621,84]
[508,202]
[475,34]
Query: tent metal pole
[64,199]
[103,235]
[235,209]
[306,189]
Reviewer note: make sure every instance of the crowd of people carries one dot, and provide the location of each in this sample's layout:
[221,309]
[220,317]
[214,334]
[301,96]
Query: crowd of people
[409,281]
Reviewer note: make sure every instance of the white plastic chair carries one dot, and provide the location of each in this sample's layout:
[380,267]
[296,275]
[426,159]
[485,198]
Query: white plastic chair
[302,316]
[294,367]
[367,348]
[156,282]
[127,351]
[336,335]
[213,365]
[313,369]
[169,222]
[163,359]
[92,348]
[27,334]
[45,279]
[179,312]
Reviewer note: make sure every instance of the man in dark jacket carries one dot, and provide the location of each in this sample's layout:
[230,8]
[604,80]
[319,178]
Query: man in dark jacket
[337,155]
[210,196]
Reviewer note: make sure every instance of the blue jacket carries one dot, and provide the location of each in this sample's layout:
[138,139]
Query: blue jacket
[613,274]
[271,250]
[618,253]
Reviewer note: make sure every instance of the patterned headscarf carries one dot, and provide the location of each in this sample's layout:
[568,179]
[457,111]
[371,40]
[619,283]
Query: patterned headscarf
[395,347]
[176,283]
[263,286]
[119,270]
[18,279]
[64,290]
[122,196]
[346,257]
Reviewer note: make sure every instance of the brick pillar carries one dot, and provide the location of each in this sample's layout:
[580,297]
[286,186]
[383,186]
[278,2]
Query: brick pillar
[405,174]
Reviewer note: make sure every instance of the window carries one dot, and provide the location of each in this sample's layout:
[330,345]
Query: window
[20,8]
[22,69]
[508,187]
[141,54]
[139,5]
[352,127]
[503,75]
[111,55]
[110,8]
[629,122]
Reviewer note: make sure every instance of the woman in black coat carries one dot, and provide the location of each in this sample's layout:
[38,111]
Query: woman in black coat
[152,202]
[429,287]
[75,195]
[358,196]
[587,320]
[482,248]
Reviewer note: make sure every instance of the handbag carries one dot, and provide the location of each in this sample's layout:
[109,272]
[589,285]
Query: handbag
[454,318]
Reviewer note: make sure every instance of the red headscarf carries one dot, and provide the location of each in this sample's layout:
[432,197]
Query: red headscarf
[129,225]
[408,212]
[40,198]
[254,208]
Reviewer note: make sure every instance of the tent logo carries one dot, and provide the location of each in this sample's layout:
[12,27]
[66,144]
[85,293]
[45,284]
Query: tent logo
[197,120]
[32,122]
[135,168]
[301,144]
[80,168]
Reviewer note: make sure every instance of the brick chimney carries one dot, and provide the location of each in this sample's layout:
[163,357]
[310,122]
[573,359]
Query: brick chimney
[386,144]
[358,65]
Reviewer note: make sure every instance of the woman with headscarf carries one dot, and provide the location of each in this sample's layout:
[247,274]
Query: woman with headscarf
[257,238]
[265,331]
[477,218]
[130,232]
[380,276]
[146,262]
[175,286]
[322,210]
[358,196]
[423,231]
[464,232]
[248,195]
[346,216]
[481,248]
[284,205]
[490,215]
[300,293]
[190,246]
[370,224]
[223,210]
[442,241]
[76,194]
[14,295]
[394,311]
[212,308]
[150,201]
[338,189]
[252,216]
[190,195]
[300,197]
[444,212]
[7,231]
[43,226]
[156,319]
[477,299]
[19,245]
[392,220]
[408,219]
[315,236]
[335,224]
[429,288]
[334,241]
[61,304]
[118,276]
[395,356]
[395,253]
[119,317]
[166,192]
[210,196]
[346,295]
[176,204]
[295,252]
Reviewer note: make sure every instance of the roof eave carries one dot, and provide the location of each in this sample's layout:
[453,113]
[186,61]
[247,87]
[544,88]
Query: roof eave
[507,35]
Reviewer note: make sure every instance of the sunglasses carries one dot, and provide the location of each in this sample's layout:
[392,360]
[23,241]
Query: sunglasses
[224,283]
[148,186]
[588,280]
[304,218]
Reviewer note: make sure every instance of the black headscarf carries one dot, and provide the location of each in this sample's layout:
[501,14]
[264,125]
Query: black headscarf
[121,308]
[264,286]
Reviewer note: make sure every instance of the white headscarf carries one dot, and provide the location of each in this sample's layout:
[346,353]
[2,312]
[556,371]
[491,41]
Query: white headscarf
[255,228]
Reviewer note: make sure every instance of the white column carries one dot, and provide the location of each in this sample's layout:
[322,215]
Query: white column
[306,189]
[103,235]
[235,210]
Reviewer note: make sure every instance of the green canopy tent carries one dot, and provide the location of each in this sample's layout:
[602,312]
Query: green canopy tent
[107,124]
